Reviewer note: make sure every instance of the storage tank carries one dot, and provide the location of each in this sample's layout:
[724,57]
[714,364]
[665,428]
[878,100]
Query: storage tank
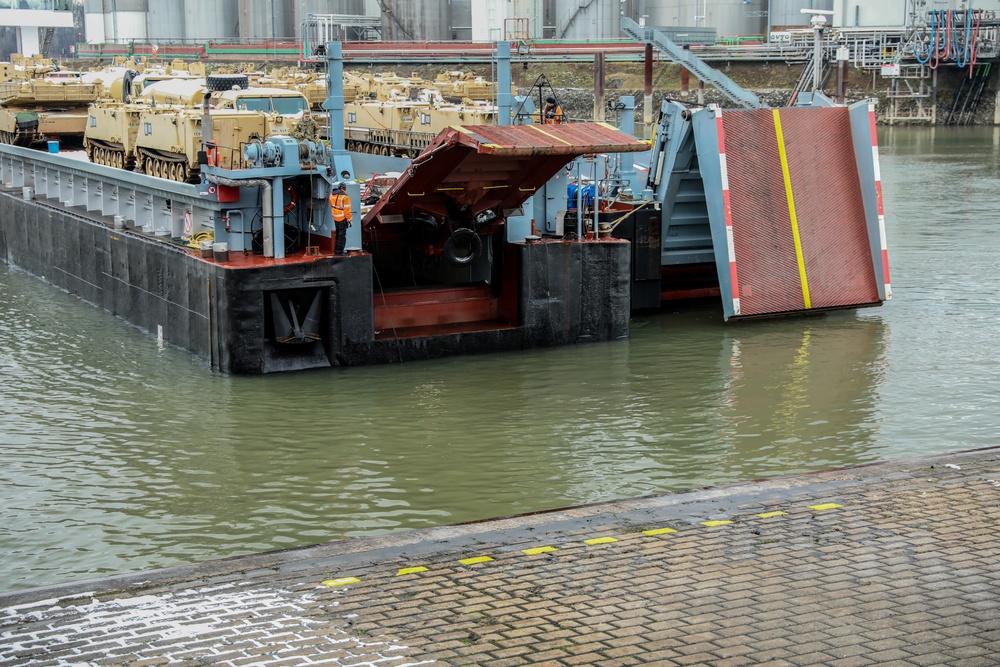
[165,21]
[266,19]
[493,20]
[126,23]
[461,20]
[303,8]
[788,14]
[728,17]
[417,20]
[579,19]
[855,14]
[210,20]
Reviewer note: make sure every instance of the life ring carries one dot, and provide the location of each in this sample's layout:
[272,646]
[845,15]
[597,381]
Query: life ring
[461,239]
[293,200]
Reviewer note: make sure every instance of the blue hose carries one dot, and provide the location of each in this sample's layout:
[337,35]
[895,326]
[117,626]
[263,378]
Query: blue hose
[931,44]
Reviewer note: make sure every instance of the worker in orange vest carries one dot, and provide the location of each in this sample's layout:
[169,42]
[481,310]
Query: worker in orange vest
[552,113]
[340,208]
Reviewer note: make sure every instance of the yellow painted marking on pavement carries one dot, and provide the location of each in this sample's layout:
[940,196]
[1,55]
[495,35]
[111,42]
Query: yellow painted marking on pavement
[791,209]
[343,581]
[473,561]
[768,515]
[539,550]
[712,524]
[411,570]
[551,136]
[600,540]
[658,531]
[827,506]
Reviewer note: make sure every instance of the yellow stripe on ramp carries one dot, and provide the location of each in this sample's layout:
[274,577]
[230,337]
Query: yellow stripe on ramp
[550,136]
[791,208]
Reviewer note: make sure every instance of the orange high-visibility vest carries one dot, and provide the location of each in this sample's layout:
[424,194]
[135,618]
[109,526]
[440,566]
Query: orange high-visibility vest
[340,207]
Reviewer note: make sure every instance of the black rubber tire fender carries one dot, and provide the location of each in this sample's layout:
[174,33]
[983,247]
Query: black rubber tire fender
[461,237]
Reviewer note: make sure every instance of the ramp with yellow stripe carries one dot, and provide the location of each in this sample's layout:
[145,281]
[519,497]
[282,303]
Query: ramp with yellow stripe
[794,205]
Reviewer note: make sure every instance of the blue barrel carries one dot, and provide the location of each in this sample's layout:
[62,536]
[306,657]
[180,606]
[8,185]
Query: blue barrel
[53,146]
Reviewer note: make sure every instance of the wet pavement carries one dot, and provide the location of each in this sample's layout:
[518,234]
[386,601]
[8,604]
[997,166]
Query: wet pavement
[888,564]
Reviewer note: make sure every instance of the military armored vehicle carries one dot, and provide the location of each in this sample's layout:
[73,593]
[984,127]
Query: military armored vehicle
[404,127]
[160,132]
[50,107]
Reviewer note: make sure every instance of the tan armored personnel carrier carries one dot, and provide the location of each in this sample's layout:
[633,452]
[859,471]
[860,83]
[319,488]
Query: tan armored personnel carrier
[160,132]
[309,83]
[459,86]
[41,102]
[403,127]
[110,137]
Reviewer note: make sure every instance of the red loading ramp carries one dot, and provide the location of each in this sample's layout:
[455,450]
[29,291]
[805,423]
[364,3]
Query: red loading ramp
[488,167]
[800,235]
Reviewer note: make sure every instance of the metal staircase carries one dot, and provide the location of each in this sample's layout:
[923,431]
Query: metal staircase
[46,34]
[702,70]
[967,97]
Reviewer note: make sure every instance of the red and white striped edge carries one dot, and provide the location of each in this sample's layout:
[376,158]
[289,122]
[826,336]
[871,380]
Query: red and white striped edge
[724,168]
[878,198]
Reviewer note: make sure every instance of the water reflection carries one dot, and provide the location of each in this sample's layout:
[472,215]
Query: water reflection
[117,456]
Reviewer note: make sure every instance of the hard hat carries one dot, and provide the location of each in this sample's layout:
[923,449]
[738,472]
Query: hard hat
[550,100]
[340,185]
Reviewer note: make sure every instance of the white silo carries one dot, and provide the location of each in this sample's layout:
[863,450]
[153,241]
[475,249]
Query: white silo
[165,21]
[588,19]
[888,13]
[210,20]
[417,20]
[266,19]
[114,20]
[728,17]
[788,13]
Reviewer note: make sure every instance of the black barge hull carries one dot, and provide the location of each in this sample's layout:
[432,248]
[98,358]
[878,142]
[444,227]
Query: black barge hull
[556,293]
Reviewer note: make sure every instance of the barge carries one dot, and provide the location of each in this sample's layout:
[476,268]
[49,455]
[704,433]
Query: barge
[476,247]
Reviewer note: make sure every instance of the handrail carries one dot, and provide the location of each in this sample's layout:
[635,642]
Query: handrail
[693,63]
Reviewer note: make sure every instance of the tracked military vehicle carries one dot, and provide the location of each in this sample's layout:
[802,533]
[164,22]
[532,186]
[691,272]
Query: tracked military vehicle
[160,132]
[404,127]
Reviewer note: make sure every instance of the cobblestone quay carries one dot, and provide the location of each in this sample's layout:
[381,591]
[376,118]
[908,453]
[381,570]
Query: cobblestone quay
[890,564]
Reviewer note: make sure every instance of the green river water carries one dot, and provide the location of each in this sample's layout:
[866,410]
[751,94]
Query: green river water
[117,455]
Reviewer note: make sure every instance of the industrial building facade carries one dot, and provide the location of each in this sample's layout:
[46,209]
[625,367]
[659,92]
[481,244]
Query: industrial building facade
[480,20]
